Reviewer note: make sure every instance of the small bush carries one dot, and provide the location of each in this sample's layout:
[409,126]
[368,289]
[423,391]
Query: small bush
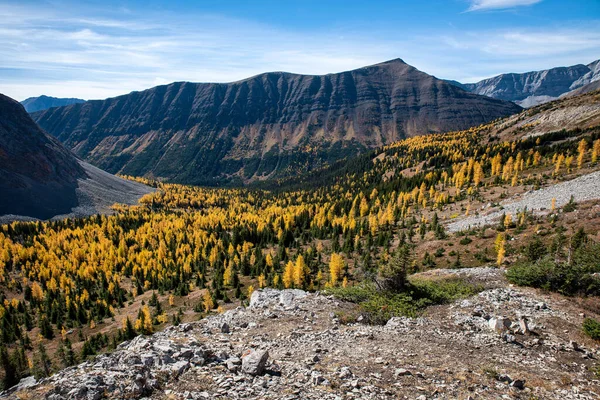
[591,327]
[465,241]
[568,279]
[379,306]
[570,206]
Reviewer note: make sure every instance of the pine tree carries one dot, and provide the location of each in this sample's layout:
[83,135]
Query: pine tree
[10,373]
[42,365]
[392,274]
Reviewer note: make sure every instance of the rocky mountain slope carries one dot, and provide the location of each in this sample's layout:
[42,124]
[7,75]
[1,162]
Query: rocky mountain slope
[292,345]
[40,103]
[536,87]
[39,178]
[274,124]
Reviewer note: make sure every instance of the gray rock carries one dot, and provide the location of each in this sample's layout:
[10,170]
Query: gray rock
[317,378]
[402,372]
[233,364]
[523,326]
[225,328]
[499,324]
[345,373]
[254,362]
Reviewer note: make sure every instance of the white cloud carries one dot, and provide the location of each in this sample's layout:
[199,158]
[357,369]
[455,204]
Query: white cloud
[76,55]
[478,5]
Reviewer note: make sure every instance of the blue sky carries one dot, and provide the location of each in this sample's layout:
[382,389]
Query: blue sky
[99,49]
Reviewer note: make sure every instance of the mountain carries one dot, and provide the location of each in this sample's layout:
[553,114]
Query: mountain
[536,87]
[590,87]
[40,103]
[39,178]
[269,125]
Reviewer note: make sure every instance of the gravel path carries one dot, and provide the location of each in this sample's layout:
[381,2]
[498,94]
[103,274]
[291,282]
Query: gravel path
[586,187]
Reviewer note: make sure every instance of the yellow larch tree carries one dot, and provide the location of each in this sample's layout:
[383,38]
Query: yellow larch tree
[336,265]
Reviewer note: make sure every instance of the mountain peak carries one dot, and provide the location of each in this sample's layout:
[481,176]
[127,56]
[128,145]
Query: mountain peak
[536,87]
[263,127]
[43,102]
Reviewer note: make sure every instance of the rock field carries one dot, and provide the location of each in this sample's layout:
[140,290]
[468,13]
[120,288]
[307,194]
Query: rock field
[504,343]
[583,188]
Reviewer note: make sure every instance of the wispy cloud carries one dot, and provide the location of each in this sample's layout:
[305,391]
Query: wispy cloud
[90,54]
[479,5]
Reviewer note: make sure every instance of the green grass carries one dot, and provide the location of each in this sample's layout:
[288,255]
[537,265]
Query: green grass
[377,307]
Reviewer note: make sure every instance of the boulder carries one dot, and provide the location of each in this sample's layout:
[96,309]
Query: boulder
[272,297]
[499,324]
[345,373]
[254,362]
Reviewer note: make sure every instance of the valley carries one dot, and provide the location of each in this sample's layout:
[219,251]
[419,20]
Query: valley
[395,259]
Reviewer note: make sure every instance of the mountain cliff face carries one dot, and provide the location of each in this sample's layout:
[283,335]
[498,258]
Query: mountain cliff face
[38,175]
[40,103]
[532,88]
[39,178]
[270,125]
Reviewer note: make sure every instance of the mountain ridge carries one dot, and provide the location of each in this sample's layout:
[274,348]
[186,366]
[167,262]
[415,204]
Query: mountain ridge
[267,125]
[43,102]
[41,179]
[535,87]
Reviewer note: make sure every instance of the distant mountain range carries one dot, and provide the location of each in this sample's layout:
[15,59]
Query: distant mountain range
[536,87]
[39,178]
[271,125]
[40,103]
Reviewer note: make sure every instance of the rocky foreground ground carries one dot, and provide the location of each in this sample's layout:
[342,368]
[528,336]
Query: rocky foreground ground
[505,342]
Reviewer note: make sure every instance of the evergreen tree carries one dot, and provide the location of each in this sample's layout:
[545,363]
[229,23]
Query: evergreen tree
[42,365]
[10,373]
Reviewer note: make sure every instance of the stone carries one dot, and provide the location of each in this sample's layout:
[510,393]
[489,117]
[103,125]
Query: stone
[508,338]
[518,383]
[523,326]
[224,328]
[254,362]
[345,373]
[26,383]
[402,372]
[179,367]
[574,345]
[233,364]
[499,324]
[317,379]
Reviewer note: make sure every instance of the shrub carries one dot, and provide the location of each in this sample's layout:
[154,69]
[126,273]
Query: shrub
[465,241]
[591,327]
[377,306]
[568,279]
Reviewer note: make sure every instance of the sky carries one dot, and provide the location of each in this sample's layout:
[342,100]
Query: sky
[100,49]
